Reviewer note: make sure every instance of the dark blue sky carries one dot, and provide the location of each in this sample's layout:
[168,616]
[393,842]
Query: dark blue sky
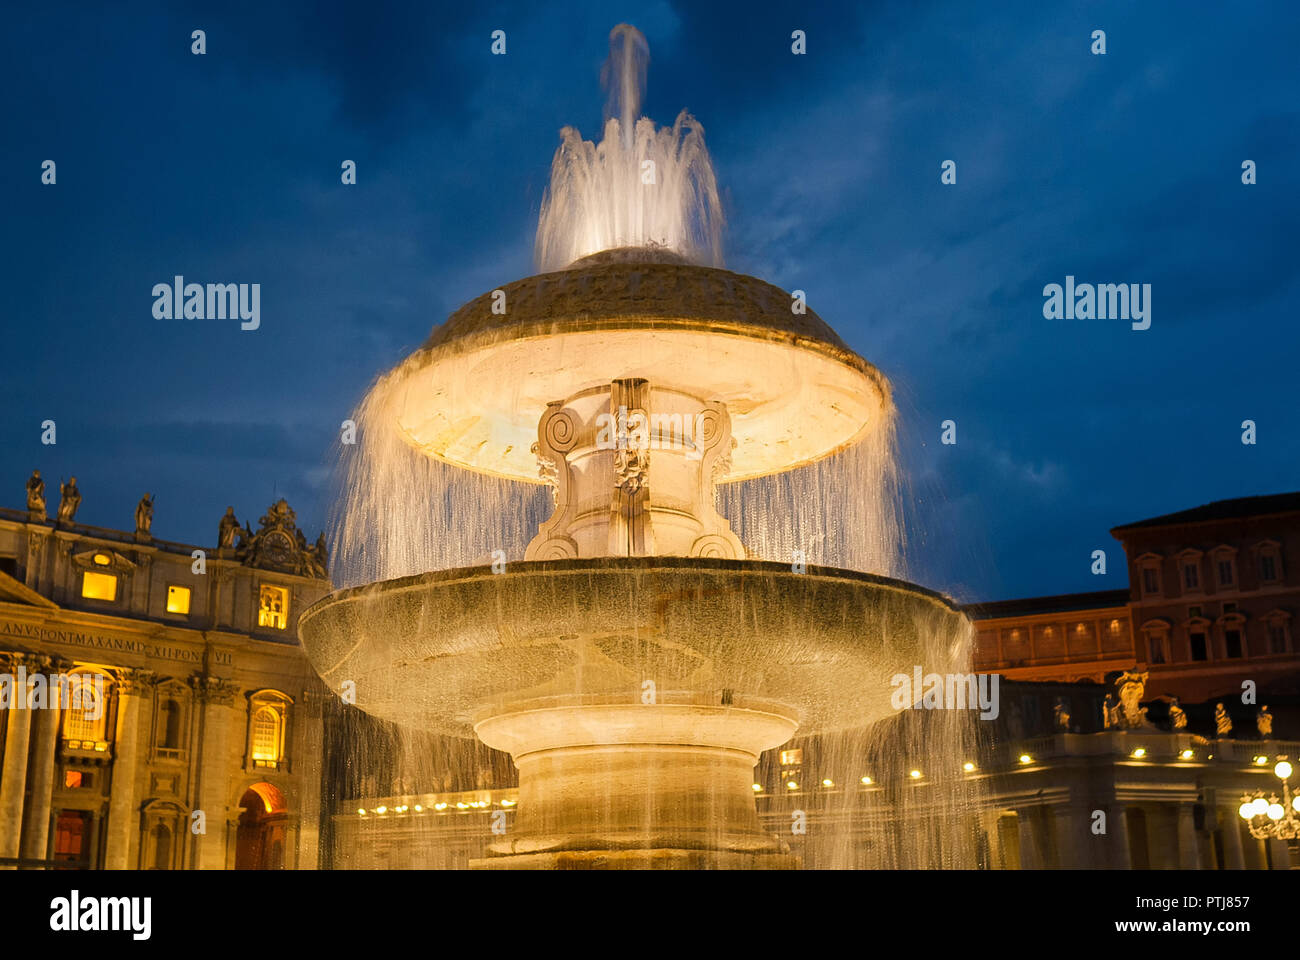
[225,167]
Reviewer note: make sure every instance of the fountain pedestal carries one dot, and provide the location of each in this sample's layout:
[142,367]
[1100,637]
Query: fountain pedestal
[606,785]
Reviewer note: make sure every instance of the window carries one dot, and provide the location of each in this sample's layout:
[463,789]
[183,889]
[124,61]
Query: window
[1150,580]
[1277,637]
[169,725]
[1197,641]
[178,599]
[1267,568]
[1232,643]
[1158,646]
[1191,576]
[267,728]
[84,718]
[791,758]
[98,586]
[72,779]
[1225,573]
[1230,607]
[273,607]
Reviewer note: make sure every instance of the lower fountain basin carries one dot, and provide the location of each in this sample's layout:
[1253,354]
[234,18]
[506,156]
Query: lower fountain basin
[442,650]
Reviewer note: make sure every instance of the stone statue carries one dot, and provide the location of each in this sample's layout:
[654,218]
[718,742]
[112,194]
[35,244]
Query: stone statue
[1177,715]
[1264,721]
[1062,714]
[320,557]
[1132,687]
[1110,712]
[144,517]
[1222,722]
[69,500]
[227,529]
[36,496]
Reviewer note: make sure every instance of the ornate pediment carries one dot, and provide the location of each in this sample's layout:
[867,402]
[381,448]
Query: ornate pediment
[107,560]
[279,545]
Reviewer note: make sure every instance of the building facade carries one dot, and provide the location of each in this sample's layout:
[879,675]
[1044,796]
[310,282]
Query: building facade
[160,713]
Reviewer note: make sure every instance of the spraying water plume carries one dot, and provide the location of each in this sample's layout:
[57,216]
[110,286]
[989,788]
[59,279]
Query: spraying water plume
[641,186]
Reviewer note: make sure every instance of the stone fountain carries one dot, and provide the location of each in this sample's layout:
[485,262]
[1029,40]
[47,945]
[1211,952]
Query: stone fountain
[638,658]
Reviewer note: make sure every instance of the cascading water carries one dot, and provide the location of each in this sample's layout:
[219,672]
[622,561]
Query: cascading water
[735,572]
[639,187]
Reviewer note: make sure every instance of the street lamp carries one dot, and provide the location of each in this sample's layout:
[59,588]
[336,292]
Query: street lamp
[1270,817]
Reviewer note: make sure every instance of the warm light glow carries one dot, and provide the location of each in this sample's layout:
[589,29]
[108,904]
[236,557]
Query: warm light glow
[267,727]
[419,809]
[1187,754]
[1261,761]
[507,803]
[98,586]
[1275,811]
[273,607]
[362,811]
[1295,803]
[72,779]
[381,809]
[103,559]
[828,783]
[915,774]
[792,785]
[440,806]
[178,599]
[1026,758]
[462,806]
[968,766]
[1247,810]
[1139,753]
[791,758]
[758,787]
[1259,805]
[866,781]
[1282,770]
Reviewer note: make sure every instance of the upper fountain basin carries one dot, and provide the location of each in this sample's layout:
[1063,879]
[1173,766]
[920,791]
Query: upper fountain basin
[438,650]
[473,394]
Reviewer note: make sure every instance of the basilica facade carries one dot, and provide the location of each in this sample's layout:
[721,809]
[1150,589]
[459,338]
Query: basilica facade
[159,712]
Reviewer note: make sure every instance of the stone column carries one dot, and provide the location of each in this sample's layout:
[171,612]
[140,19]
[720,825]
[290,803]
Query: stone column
[123,804]
[1117,822]
[1029,858]
[1233,858]
[13,778]
[36,829]
[212,769]
[1189,853]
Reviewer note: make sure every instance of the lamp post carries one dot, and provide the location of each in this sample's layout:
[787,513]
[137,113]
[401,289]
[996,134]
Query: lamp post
[1271,818]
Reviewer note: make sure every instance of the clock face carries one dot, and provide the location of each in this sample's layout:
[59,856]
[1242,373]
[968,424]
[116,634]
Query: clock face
[279,548]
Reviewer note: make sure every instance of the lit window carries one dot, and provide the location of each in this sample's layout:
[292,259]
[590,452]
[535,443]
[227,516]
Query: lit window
[1114,626]
[103,559]
[791,758]
[266,737]
[178,599]
[84,719]
[273,607]
[98,586]
[72,779]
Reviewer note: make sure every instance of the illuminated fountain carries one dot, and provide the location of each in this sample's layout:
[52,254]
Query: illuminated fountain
[538,501]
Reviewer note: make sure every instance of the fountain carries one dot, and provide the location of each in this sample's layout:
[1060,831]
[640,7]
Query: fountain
[532,540]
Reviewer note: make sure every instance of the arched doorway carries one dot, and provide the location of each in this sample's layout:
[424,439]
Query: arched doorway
[260,839]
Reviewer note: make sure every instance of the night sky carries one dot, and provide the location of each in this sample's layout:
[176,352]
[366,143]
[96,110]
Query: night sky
[1122,168]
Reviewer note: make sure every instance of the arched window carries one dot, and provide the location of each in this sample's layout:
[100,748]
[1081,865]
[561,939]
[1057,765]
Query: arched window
[162,847]
[267,726]
[169,725]
[85,713]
